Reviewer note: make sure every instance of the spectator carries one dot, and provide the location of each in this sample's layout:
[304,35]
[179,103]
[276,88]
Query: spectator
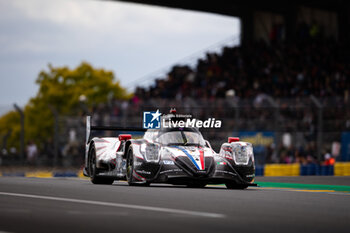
[32,153]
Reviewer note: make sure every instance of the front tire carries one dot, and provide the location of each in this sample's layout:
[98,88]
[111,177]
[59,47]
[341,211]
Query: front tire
[130,167]
[93,169]
[130,170]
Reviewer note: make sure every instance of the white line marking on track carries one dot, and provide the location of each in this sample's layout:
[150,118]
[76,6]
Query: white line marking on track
[338,193]
[120,205]
[303,190]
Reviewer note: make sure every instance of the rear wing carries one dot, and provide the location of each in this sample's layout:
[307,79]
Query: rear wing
[89,128]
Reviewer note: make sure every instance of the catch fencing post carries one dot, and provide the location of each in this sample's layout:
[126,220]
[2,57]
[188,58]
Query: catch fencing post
[21,149]
[275,105]
[319,126]
[4,139]
[55,139]
[234,104]
[236,107]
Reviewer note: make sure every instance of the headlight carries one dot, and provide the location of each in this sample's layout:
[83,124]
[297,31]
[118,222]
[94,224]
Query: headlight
[242,153]
[250,152]
[150,151]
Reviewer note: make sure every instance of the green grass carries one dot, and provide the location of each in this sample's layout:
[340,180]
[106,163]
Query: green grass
[339,188]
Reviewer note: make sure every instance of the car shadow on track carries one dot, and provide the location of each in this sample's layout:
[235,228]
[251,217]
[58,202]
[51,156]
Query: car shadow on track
[209,187]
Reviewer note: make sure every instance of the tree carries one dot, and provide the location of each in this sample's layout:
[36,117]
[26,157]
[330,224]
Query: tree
[63,89]
[11,122]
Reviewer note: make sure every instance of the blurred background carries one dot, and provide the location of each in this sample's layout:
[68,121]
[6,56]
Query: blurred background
[276,74]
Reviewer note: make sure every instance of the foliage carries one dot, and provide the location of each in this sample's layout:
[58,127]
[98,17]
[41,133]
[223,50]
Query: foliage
[65,90]
[10,123]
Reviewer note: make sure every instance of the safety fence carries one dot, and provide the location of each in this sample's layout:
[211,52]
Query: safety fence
[299,130]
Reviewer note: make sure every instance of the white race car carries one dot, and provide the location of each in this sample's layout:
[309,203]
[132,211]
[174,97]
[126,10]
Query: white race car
[167,155]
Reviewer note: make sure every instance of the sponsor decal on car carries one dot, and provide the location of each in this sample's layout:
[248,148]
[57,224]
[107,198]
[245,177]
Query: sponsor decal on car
[221,163]
[171,170]
[168,162]
[143,172]
[226,172]
[137,163]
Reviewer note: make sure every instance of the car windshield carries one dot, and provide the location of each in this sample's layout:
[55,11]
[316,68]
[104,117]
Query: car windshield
[186,138]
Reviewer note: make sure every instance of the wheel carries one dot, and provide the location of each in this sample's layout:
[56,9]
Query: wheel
[196,185]
[93,169]
[232,185]
[130,169]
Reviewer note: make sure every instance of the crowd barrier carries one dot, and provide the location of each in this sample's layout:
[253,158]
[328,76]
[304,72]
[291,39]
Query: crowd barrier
[338,169]
[44,174]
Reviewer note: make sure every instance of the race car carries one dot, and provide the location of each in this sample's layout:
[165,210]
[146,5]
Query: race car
[175,155]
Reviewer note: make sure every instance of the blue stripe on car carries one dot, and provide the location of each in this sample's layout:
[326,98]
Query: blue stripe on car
[189,156]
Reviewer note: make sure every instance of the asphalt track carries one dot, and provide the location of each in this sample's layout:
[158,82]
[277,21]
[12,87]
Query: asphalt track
[75,205]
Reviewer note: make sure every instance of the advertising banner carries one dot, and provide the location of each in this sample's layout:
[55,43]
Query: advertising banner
[260,140]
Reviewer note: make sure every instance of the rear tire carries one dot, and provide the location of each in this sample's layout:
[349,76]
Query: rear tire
[232,185]
[93,169]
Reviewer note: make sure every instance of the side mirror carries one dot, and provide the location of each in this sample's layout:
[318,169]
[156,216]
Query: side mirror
[123,137]
[233,139]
